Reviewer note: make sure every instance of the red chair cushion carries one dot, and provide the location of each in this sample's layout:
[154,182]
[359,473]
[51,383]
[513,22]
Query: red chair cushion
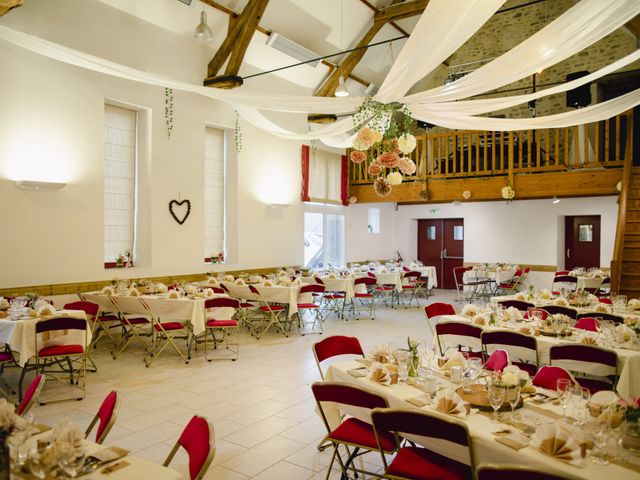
[363,295]
[334,296]
[385,288]
[307,305]
[361,433]
[5,357]
[221,323]
[247,305]
[422,464]
[135,321]
[272,308]
[408,287]
[59,350]
[530,368]
[108,318]
[168,326]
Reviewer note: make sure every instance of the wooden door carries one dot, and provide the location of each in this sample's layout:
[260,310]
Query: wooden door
[453,249]
[430,245]
[582,241]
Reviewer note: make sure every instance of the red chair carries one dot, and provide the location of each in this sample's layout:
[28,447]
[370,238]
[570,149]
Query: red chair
[57,359]
[497,361]
[594,368]
[134,327]
[556,309]
[352,433]
[165,334]
[548,376]
[245,307]
[459,334]
[617,319]
[604,290]
[102,323]
[561,273]
[522,349]
[334,346]
[412,287]
[105,418]
[198,440]
[365,299]
[31,395]
[473,286]
[435,310]
[519,304]
[6,358]
[543,314]
[214,325]
[568,282]
[509,472]
[605,300]
[514,284]
[316,291]
[271,313]
[445,442]
[587,323]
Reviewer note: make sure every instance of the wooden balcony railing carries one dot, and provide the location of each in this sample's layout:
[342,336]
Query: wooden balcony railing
[470,153]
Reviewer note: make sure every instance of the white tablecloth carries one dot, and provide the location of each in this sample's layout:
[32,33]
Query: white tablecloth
[184,309]
[429,273]
[276,294]
[20,335]
[588,282]
[500,276]
[487,449]
[628,360]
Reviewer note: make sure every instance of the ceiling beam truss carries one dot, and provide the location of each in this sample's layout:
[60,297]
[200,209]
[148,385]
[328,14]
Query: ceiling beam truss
[8,5]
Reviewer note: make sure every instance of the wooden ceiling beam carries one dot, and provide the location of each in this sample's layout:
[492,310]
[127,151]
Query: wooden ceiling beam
[400,11]
[393,24]
[7,5]
[633,26]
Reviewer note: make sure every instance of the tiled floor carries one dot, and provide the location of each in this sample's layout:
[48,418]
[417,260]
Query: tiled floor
[264,415]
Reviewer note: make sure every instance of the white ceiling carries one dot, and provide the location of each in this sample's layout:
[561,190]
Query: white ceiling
[324,27]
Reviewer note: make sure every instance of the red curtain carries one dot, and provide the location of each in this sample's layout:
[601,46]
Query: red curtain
[304,193]
[344,181]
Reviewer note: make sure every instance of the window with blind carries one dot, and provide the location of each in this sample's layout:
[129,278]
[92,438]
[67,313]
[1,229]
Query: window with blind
[325,170]
[214,208]
[120,156]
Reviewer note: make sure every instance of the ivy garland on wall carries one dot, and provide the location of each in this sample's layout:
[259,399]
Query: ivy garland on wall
[168,110]
[238,133]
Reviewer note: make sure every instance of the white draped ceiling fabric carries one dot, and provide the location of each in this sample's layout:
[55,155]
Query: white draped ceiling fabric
[443,27]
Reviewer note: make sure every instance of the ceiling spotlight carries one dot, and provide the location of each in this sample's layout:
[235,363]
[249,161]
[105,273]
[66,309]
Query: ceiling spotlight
[203,31]
[556,200]
[341,91]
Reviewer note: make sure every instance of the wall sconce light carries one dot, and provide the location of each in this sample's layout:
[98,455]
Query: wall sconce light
[555,200]
[277,205]
[40,185]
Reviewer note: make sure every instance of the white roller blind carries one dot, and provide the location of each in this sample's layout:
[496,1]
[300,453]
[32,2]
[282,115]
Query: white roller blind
[120,151]
[214,154]
[325,176]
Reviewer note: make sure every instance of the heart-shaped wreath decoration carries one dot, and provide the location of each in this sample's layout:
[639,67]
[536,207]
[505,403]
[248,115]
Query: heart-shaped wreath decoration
[173,204]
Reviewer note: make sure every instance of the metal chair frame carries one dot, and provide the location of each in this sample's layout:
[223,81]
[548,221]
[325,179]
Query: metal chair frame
[130,332]
[226,302]
[271,316]
[159,333]
[316,310]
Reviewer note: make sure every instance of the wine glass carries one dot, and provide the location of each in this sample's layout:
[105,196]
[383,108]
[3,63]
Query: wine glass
[403,358]
[17,449]
[474,367]
[563,387]
[41,461]
[513,397]
[70,458]
[496,394]
[600,442]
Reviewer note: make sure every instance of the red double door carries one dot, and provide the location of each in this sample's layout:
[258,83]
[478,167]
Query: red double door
[441,244]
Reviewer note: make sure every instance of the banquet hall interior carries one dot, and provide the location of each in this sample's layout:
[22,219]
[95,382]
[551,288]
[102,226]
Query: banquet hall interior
[298,239]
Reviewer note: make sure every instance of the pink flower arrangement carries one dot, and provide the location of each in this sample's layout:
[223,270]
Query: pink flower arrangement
[388,159]
[382,186]
[358,157]
[366,136]
[375,169]
[407,166]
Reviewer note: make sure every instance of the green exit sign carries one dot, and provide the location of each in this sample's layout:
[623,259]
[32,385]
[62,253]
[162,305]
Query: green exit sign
[434,211]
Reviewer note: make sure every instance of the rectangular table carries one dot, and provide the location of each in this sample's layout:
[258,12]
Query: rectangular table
[286,295]
[487,449]
[20,335]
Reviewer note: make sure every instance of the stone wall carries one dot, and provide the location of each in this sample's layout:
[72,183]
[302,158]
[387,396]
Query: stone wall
[506,30]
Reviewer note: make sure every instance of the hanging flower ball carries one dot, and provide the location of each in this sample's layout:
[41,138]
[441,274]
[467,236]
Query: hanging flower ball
[357,156]
[358,145]
[388,159]
[424,195]
[375,169]
[619,186]
[366,136]
[406,143]
[394,178]
[377,136]
[507,192]
[407,166]
[466,194]
[353,199]
[382,187]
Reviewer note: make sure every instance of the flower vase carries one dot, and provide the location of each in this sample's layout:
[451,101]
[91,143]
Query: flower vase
[4,455]
[631,437]
[413,364]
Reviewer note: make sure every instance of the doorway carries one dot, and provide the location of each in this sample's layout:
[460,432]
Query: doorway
[581,241]
[441,244]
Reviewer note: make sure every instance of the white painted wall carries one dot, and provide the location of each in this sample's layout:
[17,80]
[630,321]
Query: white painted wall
[362,245]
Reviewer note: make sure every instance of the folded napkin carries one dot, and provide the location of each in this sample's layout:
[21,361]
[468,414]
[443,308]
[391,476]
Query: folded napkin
[512,314]
[297,282]
[192,289]
[480,319]
[284,281]
[357,372]
[544,294]
[420,400]
[454,359]
[45,310]
[174,294]
[67,432]
[162,288]
[603,308]
[381,374]
[521,296]
[517,441]
[526,330]
[556,442]
[625,333]
[267,283]
[382,353]
[4,303]
[589,338]
[108,290]
[208,292]
[332,276]
[239,281]
[229,278]
[449,402]
[633,304]
[134,292]
[469,310]
[213,281]
[561,302]
[256,278]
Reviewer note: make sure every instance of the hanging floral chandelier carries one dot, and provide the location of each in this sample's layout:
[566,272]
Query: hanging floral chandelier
[385,142]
